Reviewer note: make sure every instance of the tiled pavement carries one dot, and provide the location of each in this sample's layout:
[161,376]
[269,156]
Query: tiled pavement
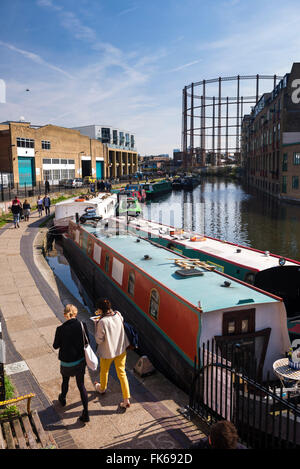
[31,304]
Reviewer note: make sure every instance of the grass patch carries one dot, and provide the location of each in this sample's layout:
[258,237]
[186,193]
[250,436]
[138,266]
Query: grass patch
[6,218]
[10,410]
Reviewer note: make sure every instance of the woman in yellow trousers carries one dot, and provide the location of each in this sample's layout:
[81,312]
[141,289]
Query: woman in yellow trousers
[112,344]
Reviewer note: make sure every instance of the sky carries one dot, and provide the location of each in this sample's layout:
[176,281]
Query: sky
[125,63]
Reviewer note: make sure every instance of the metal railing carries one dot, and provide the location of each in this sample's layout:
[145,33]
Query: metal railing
[226,385]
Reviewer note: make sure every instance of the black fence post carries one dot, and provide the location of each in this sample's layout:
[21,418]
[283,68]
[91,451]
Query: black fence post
[2,360]
[2,193]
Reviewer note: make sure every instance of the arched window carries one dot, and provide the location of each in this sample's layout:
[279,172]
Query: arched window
[154,303]
[131,283]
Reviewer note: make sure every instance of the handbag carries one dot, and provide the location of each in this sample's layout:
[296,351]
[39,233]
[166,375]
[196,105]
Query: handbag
[131,334]
[90,356]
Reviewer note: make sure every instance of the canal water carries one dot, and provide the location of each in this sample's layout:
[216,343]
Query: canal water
[227,210]
[221,209]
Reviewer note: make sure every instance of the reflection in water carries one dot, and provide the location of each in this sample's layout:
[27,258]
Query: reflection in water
[228,210]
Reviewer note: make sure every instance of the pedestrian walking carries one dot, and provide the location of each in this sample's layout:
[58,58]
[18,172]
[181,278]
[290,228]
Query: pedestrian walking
[26,210]
[16,210]
[70,342]
[112,344]
[47,187]
[40,206]
[46,204]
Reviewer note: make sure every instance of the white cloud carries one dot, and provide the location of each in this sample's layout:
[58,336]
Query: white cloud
[128,10]
[181,67]
[35,58]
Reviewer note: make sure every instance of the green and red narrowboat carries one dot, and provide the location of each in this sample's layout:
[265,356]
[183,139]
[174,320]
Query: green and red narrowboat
[174,308]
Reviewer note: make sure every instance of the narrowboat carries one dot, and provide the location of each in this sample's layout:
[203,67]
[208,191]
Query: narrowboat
[270,272]
[156,189]
[128,206]
[190,182]
[104,206]
[133,190]
[177,183]
[175,307]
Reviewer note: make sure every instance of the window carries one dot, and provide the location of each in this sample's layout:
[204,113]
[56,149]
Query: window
[65,174]
[284,184]
[239,322]
[47,174]
[46,145]
[284,162]
[296,158]
[63,161]
[56,174]
[131,283]
[46,160]
[25,142]
[115,137]
[154,303]
[55,161]
[71,161]
[295,182]
[121,137]
[105,135]
[71,173]
[106,267]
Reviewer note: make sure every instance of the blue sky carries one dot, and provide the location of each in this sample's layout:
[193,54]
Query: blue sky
[124,63]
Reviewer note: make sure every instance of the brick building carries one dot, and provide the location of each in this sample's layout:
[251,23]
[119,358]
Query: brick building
[120,147]
[33,154]
[270,147]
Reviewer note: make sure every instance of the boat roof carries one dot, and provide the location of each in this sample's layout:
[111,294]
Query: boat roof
[209,289]
[95,200]
[247,257]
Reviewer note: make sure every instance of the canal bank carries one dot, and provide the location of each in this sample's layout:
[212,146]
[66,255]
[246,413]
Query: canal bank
[31,302]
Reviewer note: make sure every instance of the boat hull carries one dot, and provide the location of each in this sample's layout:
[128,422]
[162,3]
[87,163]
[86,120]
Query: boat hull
[152,342]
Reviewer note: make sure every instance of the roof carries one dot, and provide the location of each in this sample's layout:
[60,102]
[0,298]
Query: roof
[248,257]
[209,289]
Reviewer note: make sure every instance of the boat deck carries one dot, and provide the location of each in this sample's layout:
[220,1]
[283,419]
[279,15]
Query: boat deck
[209,289]
[247,257]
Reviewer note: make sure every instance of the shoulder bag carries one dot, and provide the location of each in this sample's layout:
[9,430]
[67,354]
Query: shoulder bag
[90,357]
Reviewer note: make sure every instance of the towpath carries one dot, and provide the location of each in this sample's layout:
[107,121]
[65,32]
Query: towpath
[31,307]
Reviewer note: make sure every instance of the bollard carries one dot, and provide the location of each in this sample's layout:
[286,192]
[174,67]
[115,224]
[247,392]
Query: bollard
[2,361]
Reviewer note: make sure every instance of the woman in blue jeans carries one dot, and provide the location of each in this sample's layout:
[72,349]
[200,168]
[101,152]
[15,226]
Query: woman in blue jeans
[16,211]
[69,340]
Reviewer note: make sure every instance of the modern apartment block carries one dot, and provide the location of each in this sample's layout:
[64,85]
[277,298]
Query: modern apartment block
[120,144]
[33,154]
[270,146]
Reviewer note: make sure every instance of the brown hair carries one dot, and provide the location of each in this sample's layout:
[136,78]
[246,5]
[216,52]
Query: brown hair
[104,304]
[223,435]
[70,311]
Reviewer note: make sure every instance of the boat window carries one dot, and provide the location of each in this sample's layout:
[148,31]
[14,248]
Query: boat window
[90,247]
[239,322]
[106,267]
[154,303]
[131,283]
[250,278]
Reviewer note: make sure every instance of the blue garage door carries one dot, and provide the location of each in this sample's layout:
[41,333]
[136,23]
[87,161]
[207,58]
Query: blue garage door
[99,169]
[26,171]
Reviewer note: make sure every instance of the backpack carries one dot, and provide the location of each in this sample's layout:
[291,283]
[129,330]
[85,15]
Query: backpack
[132,336]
